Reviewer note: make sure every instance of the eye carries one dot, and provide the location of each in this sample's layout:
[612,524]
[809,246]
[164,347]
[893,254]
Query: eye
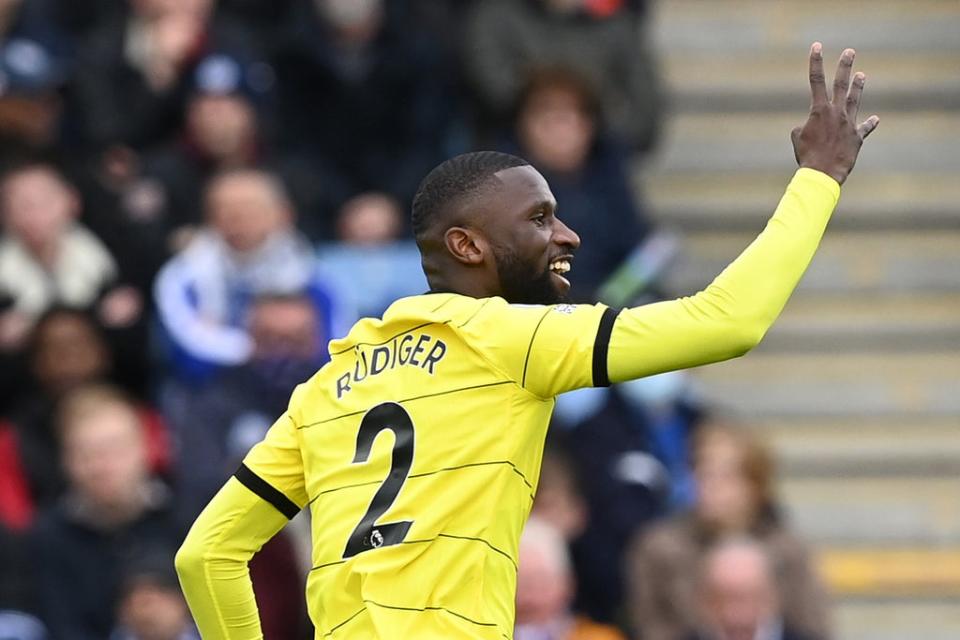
[539,219]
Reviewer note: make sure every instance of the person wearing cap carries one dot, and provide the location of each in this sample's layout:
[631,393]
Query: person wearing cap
[134,71]
[226,100]
[31,107]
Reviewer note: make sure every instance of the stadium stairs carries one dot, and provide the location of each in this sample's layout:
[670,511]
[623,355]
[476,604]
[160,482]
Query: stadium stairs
[858,385]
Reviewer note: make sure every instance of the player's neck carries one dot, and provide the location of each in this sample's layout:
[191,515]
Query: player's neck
[469,287]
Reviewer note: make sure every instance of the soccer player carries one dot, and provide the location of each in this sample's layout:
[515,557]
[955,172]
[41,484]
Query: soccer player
[418,446]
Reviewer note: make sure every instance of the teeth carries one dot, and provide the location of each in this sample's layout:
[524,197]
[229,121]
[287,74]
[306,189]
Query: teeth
[560,266]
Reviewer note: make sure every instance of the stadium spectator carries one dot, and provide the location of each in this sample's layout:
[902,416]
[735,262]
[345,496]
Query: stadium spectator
[67,350]
[60,249]
[249,248]
[545,588]
[667,410]
[372,263]
[737,595]
[133,71]
[362,96]
[47,257]
[31,105]
[734,476]
[625,486]
[506,38]
[215,424]
[559,128]
[151,606]
[112,511]
[222,131]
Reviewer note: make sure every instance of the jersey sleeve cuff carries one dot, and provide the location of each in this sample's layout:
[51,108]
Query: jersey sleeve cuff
[264,490]
[814,177]
[601,345]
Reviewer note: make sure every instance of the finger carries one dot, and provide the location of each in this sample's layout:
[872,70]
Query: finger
[818,82]
[853,98]
[867,127]
[841,81]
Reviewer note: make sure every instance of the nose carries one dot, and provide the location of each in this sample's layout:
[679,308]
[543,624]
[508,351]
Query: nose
[564,235]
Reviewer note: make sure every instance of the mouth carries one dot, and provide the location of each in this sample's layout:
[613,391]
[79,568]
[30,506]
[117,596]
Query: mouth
[560,266]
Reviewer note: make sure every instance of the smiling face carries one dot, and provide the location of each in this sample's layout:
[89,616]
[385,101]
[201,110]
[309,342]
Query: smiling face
[531,247]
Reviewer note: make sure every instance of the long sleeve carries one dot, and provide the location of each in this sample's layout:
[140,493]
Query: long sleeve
[733,313]
[201,339]
[212,562]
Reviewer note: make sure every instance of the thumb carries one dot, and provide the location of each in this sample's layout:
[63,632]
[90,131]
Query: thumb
[795,138]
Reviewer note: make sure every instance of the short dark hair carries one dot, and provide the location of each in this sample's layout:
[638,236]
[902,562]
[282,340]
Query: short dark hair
[454,179]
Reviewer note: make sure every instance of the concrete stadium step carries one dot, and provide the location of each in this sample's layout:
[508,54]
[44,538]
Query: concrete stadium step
[859,512]
[898,619]
[857,387]
[728,199]
[885,446]
[836,384]
[886,271]
[846,322]
[776,80]
[891,572]
[913,142]
[717,26]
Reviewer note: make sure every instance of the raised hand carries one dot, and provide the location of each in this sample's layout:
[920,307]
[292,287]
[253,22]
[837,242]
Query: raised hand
[830,139]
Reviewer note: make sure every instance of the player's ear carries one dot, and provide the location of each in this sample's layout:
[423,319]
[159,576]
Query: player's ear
[466,245]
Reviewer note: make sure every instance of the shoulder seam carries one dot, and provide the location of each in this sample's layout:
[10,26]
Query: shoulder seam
[474,314]
[495,366]
[533,336]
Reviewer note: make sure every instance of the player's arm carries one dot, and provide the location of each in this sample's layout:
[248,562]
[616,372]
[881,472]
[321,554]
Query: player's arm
[733,313]
[213,562]
[587,345]
[251,508]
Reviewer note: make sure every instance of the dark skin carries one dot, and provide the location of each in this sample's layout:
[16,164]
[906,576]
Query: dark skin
[830,140]
[502,240]
[513,216]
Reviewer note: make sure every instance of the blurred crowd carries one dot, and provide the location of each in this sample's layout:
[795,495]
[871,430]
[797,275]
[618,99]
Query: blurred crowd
[196,195]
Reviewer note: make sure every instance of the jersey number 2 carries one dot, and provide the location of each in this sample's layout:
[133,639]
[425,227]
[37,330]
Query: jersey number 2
[369,534]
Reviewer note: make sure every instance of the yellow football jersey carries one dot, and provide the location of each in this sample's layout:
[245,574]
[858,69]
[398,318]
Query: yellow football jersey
[417,449]
[418,446]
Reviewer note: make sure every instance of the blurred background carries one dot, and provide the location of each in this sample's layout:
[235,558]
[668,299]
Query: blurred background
[196,195]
